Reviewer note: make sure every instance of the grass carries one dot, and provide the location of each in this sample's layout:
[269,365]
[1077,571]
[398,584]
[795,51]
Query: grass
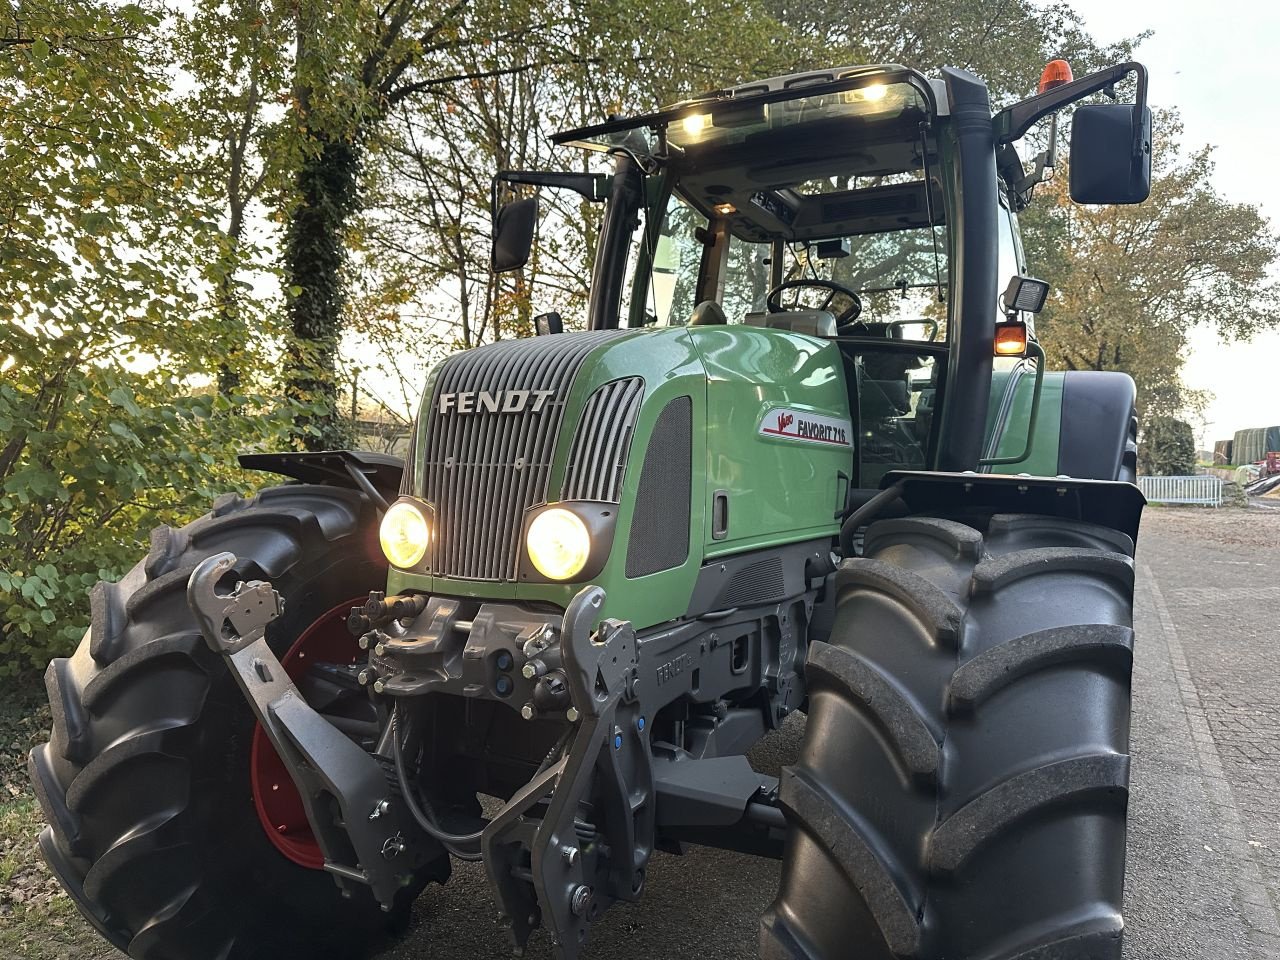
[37,920]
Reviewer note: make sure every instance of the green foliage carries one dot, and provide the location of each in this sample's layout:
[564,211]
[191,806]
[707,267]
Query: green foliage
[1168,448]
[1131,282]
[1006,44]
[313,259]
[107,414]
[125,452]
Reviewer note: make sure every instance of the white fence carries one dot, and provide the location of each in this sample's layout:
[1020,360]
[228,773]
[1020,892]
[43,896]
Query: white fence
[1206,491]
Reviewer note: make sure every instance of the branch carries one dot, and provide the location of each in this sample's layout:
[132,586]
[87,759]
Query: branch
[409,89]
[403,64]
[9,42]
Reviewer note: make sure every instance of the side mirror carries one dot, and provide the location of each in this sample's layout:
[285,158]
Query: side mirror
[513,229]
[1111,153]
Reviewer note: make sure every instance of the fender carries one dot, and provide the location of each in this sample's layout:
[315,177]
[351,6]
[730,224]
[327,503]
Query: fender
[1109,503]
[1099,432]
[376,474]
[1087,426]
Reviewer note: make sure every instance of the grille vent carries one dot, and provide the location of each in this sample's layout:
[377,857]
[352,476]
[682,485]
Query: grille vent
[483,470]
[760,582]
[660,524]
[598,457]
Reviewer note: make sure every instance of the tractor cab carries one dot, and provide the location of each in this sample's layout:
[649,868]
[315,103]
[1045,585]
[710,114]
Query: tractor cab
[822,214]
[862,205]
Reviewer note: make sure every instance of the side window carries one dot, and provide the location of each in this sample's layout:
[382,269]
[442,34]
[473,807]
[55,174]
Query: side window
[897,395]
[677,258]
[746,280]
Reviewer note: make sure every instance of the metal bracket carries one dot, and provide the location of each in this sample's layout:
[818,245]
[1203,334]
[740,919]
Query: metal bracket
[573,874]
[364,829]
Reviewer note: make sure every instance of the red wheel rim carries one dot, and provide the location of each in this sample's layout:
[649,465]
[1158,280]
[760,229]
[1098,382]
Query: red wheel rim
[279,805]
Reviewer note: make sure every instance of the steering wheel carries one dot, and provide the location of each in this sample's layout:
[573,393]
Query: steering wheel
[774,300]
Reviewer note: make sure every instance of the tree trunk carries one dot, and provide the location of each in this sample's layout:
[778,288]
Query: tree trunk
[326,190]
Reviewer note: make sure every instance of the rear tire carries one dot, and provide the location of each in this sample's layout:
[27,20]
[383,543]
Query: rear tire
[145,782]
[963,784]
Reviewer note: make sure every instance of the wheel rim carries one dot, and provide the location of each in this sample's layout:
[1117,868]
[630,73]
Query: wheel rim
[276,798]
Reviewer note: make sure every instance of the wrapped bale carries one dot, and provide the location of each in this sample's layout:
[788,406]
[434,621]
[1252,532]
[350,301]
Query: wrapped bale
[1251,446]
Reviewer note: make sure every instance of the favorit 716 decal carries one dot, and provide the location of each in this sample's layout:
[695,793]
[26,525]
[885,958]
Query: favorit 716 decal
[790,424]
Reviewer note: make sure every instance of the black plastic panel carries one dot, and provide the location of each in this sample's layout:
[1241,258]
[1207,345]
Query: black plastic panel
[660,524]
[1097,416]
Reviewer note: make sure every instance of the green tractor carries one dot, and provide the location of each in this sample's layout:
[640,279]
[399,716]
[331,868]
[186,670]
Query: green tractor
[804,457]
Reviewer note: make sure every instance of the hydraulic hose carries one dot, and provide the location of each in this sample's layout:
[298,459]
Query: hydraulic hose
[465,846]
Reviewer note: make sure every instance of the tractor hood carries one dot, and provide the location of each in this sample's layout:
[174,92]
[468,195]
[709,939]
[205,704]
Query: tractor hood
[614,425]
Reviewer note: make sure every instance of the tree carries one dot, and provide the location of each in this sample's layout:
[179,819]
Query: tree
[1168,448]
[1006,44]
[1131,282]
[232,55]
[106,411]
[421,245]
[355,63]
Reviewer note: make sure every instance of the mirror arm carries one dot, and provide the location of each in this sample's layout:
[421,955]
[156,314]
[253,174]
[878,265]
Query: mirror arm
[1012,123]
[591,186]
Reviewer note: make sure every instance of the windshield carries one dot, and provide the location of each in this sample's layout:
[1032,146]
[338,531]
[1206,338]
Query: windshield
[898,276]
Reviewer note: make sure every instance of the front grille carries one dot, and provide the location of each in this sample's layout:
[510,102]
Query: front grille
[482,469]
[598,457]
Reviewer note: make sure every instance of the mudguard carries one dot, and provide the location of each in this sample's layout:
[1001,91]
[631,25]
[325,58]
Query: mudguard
[1109,503]
[377,474]
[1086,428]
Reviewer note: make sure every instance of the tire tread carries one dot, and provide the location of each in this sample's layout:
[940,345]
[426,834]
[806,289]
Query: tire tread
[960,861]
[915,747]
[1104,645]
[981,821]
[896,914]
[937,611]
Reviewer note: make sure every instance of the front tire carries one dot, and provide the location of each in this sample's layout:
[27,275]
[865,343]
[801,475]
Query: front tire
[963,784]
[145,782]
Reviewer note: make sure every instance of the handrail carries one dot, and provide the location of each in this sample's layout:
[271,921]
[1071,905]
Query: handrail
[1038,352]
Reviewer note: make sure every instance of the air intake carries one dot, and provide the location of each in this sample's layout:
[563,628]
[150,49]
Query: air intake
[598,457]
[660,524]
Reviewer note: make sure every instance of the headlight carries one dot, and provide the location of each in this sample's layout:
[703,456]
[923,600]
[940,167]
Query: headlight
[558,543]
[405,534]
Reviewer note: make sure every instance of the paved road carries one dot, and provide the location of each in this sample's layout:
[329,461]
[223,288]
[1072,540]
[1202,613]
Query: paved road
[1204,840]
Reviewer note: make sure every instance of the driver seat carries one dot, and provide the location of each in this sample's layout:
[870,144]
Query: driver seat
[815,323]
[707,314]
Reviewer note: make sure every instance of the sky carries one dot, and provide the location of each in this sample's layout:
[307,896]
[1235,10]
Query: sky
[1215,62]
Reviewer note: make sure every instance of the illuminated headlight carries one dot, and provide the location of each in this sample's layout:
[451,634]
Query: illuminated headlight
[405,534]
[559,543]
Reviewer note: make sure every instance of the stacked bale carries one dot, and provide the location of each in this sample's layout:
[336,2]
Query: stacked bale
[1251,446]
[1222,453]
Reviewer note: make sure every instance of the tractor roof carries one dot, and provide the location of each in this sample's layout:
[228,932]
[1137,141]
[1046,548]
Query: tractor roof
[762,154]
[733,115]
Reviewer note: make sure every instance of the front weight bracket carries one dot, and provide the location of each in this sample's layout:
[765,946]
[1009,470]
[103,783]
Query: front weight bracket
[364,829]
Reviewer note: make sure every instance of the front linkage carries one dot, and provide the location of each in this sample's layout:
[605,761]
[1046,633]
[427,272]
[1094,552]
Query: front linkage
[372,840]
[578,835]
